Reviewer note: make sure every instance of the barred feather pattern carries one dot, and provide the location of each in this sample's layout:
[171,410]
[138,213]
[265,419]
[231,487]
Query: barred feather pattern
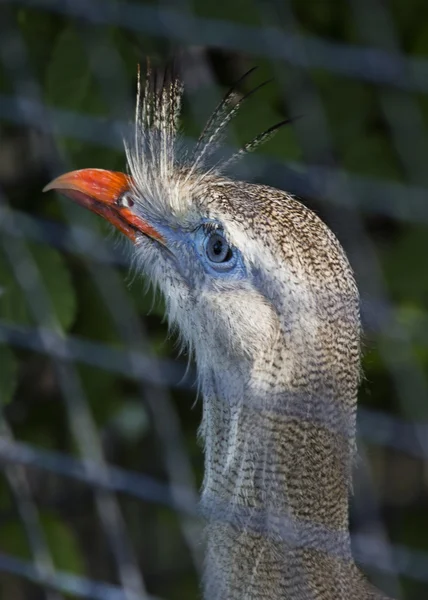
[278,359]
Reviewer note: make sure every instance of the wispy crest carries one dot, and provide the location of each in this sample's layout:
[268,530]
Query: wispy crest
[158,159]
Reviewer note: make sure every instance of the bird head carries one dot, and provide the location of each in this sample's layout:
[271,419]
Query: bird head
[245,269]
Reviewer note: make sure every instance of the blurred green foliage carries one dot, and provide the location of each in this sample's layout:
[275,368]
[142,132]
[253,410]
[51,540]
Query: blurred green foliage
[49,265]
[8,374]
[69,62]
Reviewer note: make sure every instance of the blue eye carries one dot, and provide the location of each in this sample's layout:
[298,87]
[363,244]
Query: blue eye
[218,249]
[218,255]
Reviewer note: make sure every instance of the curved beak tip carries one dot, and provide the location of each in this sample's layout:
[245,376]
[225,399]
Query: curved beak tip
[50,186]
[99,190]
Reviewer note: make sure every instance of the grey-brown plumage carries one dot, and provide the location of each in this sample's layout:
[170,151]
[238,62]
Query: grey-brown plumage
[281,442]
[262,293]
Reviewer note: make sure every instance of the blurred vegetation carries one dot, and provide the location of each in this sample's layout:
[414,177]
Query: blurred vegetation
[91,70]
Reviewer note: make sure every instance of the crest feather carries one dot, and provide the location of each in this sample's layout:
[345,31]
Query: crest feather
[154,158]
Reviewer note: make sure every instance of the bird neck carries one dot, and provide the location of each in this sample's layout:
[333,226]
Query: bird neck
[278,456]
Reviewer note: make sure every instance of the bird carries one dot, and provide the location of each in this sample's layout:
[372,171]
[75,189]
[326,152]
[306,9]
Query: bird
[263,296]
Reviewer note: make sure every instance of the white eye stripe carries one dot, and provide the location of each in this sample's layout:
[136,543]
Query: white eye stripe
[126,200]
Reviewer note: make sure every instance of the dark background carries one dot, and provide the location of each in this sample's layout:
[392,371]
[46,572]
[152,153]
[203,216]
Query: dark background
[87,370]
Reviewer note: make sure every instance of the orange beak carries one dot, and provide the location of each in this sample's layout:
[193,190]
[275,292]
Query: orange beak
[102,192]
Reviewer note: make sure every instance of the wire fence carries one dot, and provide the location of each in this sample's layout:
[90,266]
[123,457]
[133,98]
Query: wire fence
[393,439]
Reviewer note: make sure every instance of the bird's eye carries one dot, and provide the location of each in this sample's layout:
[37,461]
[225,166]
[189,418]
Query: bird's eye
[126,200]
[218,249]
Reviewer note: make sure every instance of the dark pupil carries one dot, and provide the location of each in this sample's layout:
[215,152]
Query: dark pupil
[218,247]
[218,250]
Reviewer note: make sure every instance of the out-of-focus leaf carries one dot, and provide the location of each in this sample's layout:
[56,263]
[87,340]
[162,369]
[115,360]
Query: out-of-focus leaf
[407,17]
[38,31]
[57,280]
[65,550]
[8,374]
[94,320]
[371,155]
[54,278]
[163,345]
[131,421]
[102,389]
[12,302]
[406,279]
[68,79]
[241,11]
[6,500]
[70,85]
[13,539]
[420,40]
[147,301]
[410,527]
[340,96]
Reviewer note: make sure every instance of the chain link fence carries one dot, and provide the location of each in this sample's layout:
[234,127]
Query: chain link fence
[100,465]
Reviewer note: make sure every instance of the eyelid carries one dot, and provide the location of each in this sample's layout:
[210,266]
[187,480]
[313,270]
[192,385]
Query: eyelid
[234,267]
[208,226]
[211,226]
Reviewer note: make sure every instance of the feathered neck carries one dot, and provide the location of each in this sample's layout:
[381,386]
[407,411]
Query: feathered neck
[277,475]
